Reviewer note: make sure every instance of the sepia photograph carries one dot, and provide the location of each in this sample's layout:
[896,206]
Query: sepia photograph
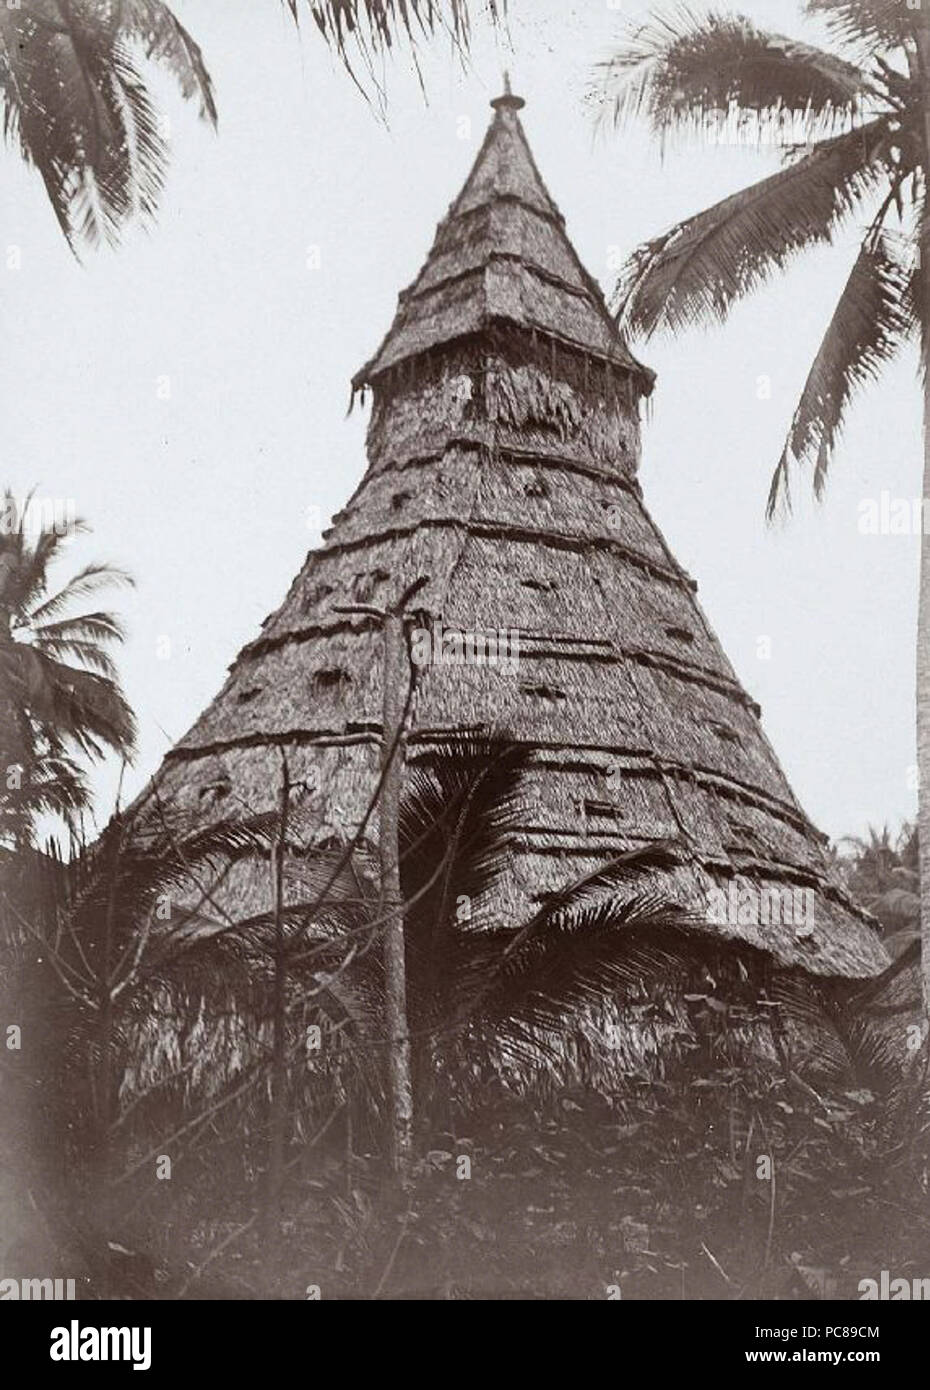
[465,661]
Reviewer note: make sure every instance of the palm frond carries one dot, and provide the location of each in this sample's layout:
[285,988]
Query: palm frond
[96,627]
[75,101]
[696,271]
[625,871]
[374,27]
[876,23]
[134,863]
[26,569]
[52,784]
[607,951]
[461,809]
[88,654]
[692,72]
[165,41]
[87,581]
[868,327]
[80,705]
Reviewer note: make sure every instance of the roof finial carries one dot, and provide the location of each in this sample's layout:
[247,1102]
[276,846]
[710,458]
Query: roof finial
[507,102]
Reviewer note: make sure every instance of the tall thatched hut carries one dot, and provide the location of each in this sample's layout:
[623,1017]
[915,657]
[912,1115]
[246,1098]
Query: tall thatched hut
[503,450]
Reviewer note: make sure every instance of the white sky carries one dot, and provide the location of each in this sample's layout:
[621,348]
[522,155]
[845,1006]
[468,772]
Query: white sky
[205,496]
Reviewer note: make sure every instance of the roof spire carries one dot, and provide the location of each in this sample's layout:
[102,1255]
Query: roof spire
[507,102]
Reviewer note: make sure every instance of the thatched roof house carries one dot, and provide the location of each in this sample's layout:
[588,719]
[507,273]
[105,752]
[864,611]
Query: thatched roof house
[503,450]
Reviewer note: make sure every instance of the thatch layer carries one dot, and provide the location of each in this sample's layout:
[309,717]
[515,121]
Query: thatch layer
[502,254]
[504,227]
[503,449]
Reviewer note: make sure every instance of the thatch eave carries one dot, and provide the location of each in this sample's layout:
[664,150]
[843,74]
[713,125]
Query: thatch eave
[382,367]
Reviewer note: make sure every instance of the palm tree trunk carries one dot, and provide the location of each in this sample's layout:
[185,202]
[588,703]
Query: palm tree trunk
[395,963]
[923,687]
[923,612]
[104,1198]
[278,1116]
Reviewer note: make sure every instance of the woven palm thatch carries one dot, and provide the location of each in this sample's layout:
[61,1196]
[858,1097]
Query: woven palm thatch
[503,449]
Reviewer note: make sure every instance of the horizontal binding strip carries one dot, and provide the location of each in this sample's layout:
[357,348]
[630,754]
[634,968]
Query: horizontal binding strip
[545,649]
[419,741]
[505,531]
[509,453]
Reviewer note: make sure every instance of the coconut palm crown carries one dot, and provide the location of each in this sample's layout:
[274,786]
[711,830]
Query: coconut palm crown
[855,131]
[60,696]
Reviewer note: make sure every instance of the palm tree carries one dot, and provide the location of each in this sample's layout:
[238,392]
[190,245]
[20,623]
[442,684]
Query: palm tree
[60,696]
[856,136]
[882,873]
[73,94]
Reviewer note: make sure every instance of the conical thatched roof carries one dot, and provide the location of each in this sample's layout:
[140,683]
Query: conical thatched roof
[501,255]
[503,451]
